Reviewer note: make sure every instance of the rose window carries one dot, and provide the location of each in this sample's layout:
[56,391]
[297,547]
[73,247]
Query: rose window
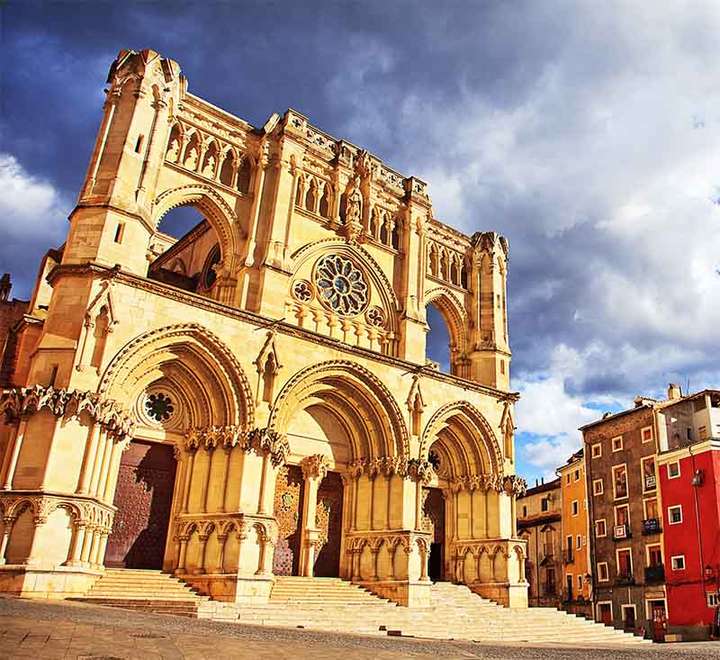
[159,407]
[341,285]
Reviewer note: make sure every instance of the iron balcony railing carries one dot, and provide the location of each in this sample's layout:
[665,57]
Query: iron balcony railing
[651,526]
[569,555]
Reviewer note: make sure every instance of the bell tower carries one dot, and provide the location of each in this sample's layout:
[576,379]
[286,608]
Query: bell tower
[112,222]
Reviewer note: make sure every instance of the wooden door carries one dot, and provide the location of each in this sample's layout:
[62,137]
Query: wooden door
[434,522]
[143,498]
[287,509]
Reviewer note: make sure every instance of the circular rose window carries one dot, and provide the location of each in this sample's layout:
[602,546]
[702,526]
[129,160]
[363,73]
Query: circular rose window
[341,286]
[159,407]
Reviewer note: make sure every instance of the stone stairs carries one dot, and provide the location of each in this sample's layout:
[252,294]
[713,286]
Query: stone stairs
[149,591]
[335,605]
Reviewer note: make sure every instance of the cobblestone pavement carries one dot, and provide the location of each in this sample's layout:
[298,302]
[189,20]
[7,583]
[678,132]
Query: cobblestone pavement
[75,630]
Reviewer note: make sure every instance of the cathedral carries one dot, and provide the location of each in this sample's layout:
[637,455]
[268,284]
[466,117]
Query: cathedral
[254,399]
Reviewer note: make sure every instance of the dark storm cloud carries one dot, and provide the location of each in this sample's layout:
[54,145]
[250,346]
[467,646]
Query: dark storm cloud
[586,132]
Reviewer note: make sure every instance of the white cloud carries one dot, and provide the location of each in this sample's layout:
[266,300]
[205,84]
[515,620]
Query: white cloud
[29,207]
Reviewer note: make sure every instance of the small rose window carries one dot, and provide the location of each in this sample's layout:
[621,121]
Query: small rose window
[159,407]
[341,285]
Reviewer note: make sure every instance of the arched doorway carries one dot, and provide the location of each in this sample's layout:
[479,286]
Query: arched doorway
[461,507]
[341,418]
[177,379]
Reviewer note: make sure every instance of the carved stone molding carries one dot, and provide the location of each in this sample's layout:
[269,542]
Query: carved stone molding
[216,436]
[315,466]
[23,402]
[269,442]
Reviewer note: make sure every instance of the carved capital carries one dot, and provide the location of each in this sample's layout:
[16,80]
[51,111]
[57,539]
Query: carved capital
[315,466]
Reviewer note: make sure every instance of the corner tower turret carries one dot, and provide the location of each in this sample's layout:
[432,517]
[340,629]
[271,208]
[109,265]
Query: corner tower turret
[112,221]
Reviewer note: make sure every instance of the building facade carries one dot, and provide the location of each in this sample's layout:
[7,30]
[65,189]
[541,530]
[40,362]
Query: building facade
[576,578]
[540,525]
[624,519]
[253,399]
[689,471]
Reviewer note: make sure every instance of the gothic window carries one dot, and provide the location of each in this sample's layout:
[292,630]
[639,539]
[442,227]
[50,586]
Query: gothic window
[311,196]
[244,175]
[174,144]
[325,202]
[395,235]
[192,153]
[341,285]
[208,273]
[210,161]
[226,172]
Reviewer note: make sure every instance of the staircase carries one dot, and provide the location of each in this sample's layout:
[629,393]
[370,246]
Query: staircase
[334,605]
[145,590]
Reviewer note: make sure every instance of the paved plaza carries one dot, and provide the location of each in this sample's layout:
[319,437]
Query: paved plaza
[74,630]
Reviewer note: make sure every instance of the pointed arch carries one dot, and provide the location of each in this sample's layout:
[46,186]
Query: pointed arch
[466,440]
[454,315]
[215,210]
[355,398]
[194,364]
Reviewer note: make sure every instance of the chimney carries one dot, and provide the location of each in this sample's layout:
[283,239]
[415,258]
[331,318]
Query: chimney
[674,392]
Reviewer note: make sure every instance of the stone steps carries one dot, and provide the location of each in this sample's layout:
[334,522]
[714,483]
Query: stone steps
[147,591]
[334,605]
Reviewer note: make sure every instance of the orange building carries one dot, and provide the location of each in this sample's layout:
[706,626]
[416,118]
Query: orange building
[576,582]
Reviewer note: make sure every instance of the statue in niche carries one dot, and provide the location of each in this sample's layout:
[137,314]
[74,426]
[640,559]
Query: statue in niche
[353,211]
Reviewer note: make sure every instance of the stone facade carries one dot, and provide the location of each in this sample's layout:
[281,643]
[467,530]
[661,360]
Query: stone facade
[275,354]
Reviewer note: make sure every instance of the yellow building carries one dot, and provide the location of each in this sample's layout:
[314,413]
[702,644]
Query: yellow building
[253,399]
[577,582]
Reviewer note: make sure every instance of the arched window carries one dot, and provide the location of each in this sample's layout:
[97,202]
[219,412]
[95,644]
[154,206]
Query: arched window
[226,172]
[311,196]
[210,161]
[325,202]
[183,236]
[395,235]
[174,144]
[192,153]
[244,176]
[438,339]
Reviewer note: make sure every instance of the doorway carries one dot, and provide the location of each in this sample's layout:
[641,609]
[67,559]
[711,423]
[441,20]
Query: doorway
[287,509]
[143,498]
[434,522]
[604,613]
[328,520]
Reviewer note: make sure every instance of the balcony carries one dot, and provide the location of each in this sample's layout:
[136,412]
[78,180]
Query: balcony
[569,556]
[624,579]
[655,574]
[651,526]
[621,532]
[650,482]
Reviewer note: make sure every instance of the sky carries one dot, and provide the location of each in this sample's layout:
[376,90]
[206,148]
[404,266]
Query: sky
[588,133]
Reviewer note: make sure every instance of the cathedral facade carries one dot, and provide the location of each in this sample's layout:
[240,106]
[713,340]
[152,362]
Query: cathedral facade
[254,399]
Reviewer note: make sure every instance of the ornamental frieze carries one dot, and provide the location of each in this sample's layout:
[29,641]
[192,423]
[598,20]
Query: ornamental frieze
[23,402]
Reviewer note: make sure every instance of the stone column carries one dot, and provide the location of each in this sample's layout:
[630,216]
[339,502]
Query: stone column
[314,470]
[76,545]
[9,522]
[14,454]
[89,459]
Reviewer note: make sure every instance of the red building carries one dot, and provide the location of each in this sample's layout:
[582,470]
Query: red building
[689,472]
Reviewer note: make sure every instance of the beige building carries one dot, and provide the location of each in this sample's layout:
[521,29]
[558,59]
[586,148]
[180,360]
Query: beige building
[540,525]
[253,399]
